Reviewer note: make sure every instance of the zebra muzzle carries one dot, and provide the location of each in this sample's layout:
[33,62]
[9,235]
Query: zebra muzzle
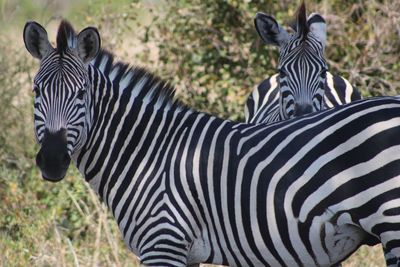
[53,159]
[302,109]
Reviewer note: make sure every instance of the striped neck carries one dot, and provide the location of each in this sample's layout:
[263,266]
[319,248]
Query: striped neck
[124,99]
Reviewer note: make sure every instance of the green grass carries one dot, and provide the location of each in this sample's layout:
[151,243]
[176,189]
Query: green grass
[56,224]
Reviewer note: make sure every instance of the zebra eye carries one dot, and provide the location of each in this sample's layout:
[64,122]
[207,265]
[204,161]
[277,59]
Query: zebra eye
[323,74]
[36,90]
[282,73]
[80,94]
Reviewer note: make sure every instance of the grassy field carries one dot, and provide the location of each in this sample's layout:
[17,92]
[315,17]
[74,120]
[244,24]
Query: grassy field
[64,224]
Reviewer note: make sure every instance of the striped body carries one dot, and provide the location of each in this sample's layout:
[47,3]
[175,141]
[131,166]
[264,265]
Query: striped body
[262,105]
[186,187]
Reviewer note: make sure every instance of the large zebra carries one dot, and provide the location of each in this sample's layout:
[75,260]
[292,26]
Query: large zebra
[186,187]
[303,84]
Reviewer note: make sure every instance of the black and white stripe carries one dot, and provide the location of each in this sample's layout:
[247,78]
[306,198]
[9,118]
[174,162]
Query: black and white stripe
[62,108]
[303,84]
[262,105]
[186,187]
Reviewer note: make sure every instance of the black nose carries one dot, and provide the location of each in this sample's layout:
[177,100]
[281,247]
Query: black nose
[53,158]
[302,109]
[61,160]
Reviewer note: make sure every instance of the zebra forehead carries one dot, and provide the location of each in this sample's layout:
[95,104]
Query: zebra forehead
[303,58]
[66,64]
[298,44]
[300,52]
[61,78]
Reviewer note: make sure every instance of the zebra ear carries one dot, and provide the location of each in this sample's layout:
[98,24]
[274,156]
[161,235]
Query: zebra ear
[88,44]
[317,26]
[269,30]
[36,40]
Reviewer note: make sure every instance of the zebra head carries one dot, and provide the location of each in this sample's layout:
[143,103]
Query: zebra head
[302,66]
[62,87]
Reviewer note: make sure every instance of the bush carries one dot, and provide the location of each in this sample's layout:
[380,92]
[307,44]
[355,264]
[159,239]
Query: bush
[211,50]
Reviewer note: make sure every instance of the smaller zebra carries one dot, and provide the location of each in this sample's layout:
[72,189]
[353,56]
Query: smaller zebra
[303,84]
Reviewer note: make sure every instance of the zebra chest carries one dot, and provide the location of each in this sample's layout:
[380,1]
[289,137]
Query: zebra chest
[155,230]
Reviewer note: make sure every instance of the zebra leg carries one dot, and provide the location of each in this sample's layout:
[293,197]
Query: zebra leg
[156,259]
[391,248]
[389,236]
[165,250]
[192,265]
[391,259]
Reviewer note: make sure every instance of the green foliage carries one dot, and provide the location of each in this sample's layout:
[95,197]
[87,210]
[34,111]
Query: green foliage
[208,49]
[13,77]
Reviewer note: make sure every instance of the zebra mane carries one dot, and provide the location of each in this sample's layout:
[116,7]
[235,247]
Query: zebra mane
[300,24]
[66,37]
[153,89]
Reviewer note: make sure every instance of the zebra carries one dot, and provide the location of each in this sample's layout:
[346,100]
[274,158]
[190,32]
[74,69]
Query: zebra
[186,187]
[303,84]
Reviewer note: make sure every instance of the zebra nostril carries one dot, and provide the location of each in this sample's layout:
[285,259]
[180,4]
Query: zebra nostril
[300,110]
[66,159]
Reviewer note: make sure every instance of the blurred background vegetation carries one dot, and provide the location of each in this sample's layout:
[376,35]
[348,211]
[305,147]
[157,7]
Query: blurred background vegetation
[209,50]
